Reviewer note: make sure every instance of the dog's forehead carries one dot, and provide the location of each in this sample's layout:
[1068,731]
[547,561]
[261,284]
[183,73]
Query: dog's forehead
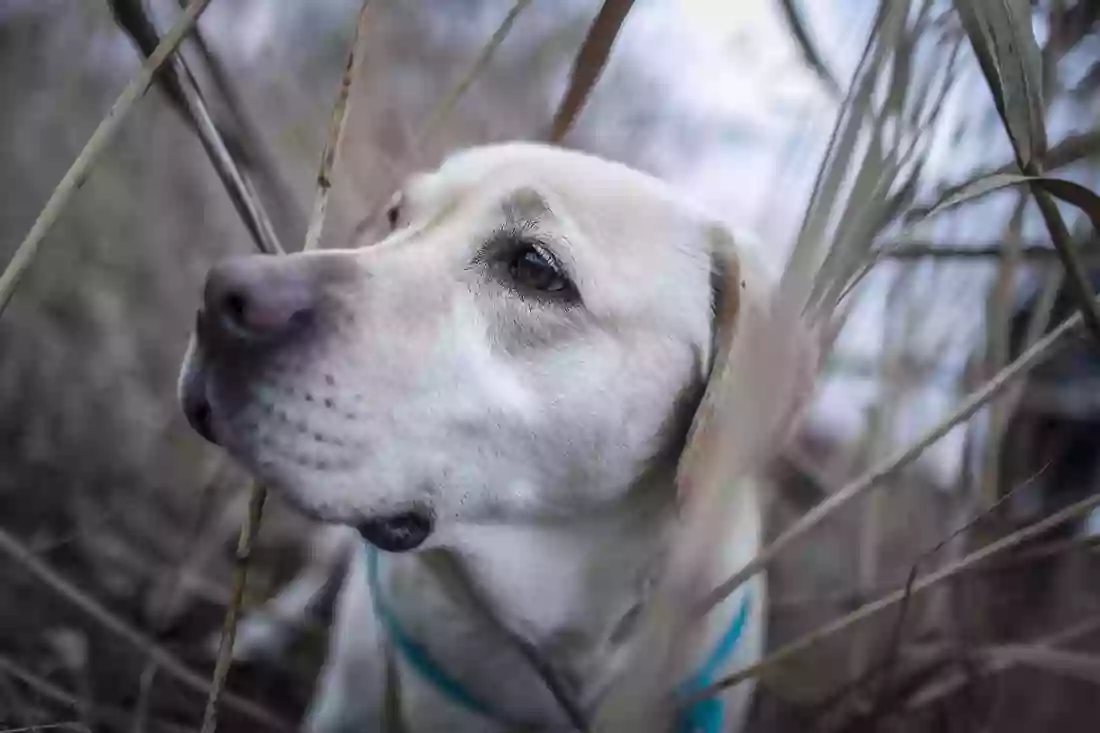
[638,252]
[618,207]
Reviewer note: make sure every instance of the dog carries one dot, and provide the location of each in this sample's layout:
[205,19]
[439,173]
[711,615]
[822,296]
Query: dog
[494,397]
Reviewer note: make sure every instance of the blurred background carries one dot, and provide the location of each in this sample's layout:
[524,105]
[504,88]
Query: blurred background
[104,489]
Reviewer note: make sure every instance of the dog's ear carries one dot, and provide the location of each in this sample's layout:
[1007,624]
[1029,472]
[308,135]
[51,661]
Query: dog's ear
[760,374]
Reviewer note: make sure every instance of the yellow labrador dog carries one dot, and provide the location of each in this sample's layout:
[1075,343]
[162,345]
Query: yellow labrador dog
[494,396]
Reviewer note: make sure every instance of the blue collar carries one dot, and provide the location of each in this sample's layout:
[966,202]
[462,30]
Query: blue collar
[704,716]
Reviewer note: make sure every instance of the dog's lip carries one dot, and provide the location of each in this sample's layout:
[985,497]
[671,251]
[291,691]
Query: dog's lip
[399,532]
[201,418]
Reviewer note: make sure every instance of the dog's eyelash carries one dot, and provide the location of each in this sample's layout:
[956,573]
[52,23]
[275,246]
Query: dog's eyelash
[507,244]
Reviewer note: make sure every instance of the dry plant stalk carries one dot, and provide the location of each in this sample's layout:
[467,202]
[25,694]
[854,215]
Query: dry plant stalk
[82,167]
[443,109]
[1001,35]
[446,106]
[165,659]
[589,64]
[258,493]
[183,90]
[1042,350]
[930,580]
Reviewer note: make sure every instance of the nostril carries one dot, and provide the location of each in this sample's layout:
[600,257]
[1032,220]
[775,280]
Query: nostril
[201,419]
[234,310]
[257,298]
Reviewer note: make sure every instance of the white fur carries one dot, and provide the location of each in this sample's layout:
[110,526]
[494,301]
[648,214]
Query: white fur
[543,439]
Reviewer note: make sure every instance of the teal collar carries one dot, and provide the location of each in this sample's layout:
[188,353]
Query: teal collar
[704,716]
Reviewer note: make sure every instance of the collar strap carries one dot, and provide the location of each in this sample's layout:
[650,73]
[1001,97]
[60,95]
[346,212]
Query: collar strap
[704,716]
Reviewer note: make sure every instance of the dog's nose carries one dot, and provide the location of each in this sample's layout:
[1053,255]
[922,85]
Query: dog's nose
[258,297]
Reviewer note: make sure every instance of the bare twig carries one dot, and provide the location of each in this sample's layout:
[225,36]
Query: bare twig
[332,142]
[229,629]
[1070,150]
[182,88]
[443,109]
[52,692]
[1037,254]
[1076,276]
[810,53]
[589,64]
[1042,350]
[924,583]
[168,661]
[258,494]
[447,105]
[96,146]
[945,686]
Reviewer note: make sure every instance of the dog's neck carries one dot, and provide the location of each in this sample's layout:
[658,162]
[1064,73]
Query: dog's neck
[569,588]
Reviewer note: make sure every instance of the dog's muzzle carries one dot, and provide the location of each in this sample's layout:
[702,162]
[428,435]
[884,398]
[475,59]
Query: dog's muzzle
[250,304]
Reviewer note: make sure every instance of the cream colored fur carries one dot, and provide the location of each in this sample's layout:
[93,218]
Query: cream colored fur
[543,439]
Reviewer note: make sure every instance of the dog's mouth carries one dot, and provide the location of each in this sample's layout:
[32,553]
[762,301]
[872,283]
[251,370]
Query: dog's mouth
[398,532]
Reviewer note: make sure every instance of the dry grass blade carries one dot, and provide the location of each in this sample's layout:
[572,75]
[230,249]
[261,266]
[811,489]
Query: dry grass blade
[589,64]
[1072,149]
[165,659]
[258,494]
[96,146]
[1015,539]
[1001,35]
[1042,350]
[447,104]
[813,58]
[1037,254]
[1072,664]
[948,685]
[183,90]
[49,691]
[229,629]
[443,109]
[332,141]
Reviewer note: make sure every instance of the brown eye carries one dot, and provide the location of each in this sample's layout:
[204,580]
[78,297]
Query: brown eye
[532,269]
[393,211]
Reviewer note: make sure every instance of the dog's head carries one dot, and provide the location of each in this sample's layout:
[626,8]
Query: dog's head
[529,340]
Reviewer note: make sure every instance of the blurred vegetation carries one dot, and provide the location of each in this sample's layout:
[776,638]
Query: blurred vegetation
[926,281]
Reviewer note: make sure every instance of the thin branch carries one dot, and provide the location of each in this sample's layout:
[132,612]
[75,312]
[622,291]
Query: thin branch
[443,109]
[446,106]
[1033,253]
[179,82]
[258,494]
[332,142]
[1070,150]
[946,686]
[1072,664]
[1042,350]
[589,64]
[1078,281]
[169,662]
[927,581]
[810,53]
[229,629]
[82,167]
[56,694]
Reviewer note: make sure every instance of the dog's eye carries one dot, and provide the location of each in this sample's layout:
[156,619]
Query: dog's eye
[532,268]
[393,211]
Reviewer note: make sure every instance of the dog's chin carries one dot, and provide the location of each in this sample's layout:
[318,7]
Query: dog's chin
[400,532]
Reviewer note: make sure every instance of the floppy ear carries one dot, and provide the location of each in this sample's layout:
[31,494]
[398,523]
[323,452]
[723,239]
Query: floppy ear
[760,377]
